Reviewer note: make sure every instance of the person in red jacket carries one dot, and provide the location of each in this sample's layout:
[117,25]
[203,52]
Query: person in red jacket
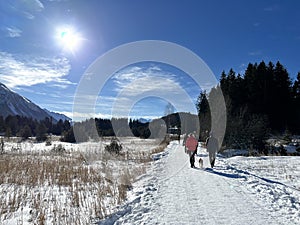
[192,145]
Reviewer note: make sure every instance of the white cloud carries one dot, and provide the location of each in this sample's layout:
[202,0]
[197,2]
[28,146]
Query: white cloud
[126,78]
[136,83]
[13,32]
[28,70]
[26,8]
[78,116]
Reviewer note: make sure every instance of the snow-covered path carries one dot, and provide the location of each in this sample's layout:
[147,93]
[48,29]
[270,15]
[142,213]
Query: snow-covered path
[195,196]
[174,193]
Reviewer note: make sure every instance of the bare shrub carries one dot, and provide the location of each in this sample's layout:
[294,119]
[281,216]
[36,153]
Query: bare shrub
[58,149]
[114,147]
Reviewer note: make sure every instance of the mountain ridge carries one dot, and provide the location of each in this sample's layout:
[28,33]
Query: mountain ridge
[11,103]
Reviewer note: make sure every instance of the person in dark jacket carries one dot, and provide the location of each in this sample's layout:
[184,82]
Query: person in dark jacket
[192,159]
[212,146]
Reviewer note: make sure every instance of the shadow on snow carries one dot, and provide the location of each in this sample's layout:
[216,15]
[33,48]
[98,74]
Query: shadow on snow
[228,175]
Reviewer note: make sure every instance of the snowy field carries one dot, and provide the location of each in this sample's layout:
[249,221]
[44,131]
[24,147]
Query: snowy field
[67,183]
[239,190]
[80,184]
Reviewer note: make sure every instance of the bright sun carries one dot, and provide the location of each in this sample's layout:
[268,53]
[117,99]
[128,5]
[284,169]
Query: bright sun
[69,38]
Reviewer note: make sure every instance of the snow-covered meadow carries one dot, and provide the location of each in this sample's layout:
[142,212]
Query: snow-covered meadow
[65,183]
[147,184]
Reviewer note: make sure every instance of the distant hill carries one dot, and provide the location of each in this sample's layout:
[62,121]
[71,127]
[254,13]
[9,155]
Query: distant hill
[12,103]
[186,122]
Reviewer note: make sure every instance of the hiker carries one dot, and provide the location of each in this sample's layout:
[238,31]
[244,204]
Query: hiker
[192,159]
[191,144]
[212,146]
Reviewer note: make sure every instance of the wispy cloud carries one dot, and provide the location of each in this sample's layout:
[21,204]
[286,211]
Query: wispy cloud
[271,8]
[255,53]
[126,78]
[256,24]
[136,83]
[242,68]
[26,8]
[27,70]
[18,9]
[13,32]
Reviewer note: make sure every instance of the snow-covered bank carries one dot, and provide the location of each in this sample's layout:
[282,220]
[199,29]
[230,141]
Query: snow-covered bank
[239,190]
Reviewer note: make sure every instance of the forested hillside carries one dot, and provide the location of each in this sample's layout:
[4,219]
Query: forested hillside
[263,101]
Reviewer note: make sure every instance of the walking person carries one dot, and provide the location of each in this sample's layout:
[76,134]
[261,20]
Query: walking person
[212,146]
[191,146]
[192,159]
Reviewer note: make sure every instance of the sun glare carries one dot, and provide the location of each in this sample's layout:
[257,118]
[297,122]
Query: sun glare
[68,38]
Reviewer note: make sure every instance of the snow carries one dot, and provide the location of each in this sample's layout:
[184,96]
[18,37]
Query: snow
[4,87]
[239,190]
[26,100]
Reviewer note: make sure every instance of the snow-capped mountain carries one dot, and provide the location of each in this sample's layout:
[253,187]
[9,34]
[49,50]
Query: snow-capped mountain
[57,116]
[144,120]
[12,103]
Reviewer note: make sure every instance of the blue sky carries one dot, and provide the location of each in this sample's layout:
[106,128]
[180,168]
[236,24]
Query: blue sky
[47,45]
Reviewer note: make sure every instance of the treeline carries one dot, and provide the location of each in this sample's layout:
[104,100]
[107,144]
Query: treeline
[124,127]
[27,127]
[106,127]
[24,127]
[262,102]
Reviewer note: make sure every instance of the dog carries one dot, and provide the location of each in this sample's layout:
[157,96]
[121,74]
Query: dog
[201,163]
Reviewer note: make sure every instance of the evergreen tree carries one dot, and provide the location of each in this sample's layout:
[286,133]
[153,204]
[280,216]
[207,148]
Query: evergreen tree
[204,115]
[8,132]
[282,97]
[25,132]
[296,87]
[294,122]
[66,125]
[2,124]
[41,132]
[68,136]
[11,122]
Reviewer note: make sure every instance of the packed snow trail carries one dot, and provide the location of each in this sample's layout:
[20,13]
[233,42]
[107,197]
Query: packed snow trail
[174,193]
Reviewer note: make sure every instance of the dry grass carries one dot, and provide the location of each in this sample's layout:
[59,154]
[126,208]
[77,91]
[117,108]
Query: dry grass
[34,170]
[66,188]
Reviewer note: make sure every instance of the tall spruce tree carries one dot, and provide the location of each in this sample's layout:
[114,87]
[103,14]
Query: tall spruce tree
[204,115]
[281,98]
[294,122]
